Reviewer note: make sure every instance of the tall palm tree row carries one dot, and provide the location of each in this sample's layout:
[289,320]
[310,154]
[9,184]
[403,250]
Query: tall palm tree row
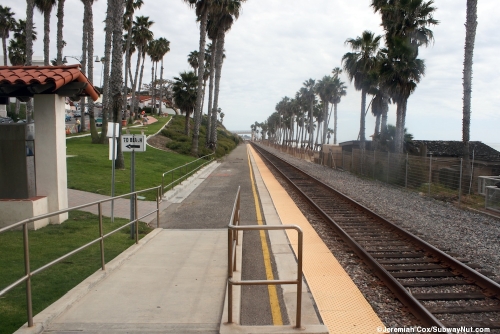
[389,73]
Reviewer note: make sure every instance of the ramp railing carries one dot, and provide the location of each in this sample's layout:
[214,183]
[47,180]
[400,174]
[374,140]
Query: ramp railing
[185,171]
[233,228]
[24,224]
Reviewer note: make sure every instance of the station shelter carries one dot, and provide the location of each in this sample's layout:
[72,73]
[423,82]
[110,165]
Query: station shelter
[33,176]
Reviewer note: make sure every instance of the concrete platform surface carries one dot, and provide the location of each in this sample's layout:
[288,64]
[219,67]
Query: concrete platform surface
[174,284]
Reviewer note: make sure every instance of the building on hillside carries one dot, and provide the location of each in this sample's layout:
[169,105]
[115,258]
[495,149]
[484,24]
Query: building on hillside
[146,101]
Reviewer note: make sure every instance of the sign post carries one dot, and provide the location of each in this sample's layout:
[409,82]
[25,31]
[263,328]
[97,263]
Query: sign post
[133,143]
[113,131]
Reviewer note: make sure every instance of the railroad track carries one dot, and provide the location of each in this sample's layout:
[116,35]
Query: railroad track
[437,288]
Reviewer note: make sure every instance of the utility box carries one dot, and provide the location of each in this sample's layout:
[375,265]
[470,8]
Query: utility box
[17,161]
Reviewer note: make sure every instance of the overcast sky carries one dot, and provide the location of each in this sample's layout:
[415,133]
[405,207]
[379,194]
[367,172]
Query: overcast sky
[276,45]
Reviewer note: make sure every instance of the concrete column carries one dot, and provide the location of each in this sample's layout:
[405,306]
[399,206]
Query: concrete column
[50,153]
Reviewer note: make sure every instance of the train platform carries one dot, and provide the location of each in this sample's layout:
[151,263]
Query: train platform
[175,279]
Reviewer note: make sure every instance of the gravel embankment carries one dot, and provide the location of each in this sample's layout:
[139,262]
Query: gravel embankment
[466,234]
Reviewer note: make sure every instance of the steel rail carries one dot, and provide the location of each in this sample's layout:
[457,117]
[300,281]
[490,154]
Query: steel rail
[398,289]
[478,278]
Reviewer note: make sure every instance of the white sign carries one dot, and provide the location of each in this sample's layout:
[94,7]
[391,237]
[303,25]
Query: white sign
[109,134]
[135,143]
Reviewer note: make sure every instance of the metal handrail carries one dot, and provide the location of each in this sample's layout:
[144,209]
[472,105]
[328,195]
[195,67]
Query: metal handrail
[186,174]
[233,228]
[29,273]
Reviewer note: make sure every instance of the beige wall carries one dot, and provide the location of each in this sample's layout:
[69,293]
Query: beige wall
[50,153]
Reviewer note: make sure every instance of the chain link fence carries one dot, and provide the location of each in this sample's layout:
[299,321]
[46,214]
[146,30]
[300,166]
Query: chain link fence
[442,178]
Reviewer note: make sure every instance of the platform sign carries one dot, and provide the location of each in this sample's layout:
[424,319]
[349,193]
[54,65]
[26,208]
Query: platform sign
[133,143]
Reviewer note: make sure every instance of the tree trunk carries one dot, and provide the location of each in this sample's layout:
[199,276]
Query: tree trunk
[186,124]
[140,79]
[90,49]
[210,91]
[201,71]
[106,100]
[311,124]
[60,25]
[127,59]
[132,100]
[362,121]
[218,70]
[470,36]
[117,75]
[400,125]
[4,47]
[83,61]
[385,110]
[335,123]
[161,87]
[325,124]
[29,50]
[29,31]
[46,37]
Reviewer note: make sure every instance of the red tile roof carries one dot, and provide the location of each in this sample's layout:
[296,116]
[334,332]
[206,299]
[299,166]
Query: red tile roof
[40,75]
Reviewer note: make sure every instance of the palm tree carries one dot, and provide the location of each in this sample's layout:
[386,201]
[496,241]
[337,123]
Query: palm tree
[406,29]
[224,13]
[357,65]
[308,94]
[193,60]
[7,24]
[339,90]
[142,35]
[185,91]
[60,25]
[163,49]
[202,8]
[18,43]
[45,7]
[130,7]
[325,88]
[470,36]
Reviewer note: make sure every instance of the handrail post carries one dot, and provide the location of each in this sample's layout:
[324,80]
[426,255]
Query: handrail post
[27,271]
[135,218]
[99,209]
[158,207]
[230,276]
[298,313]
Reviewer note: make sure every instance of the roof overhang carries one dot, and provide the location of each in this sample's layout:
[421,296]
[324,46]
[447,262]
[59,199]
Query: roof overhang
[24,82]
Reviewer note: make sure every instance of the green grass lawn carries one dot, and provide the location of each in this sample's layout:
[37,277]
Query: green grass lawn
[89,167]
[47,244]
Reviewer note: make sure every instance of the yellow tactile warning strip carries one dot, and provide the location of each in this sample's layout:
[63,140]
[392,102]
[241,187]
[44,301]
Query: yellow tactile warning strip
[273,294]
[340,303]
